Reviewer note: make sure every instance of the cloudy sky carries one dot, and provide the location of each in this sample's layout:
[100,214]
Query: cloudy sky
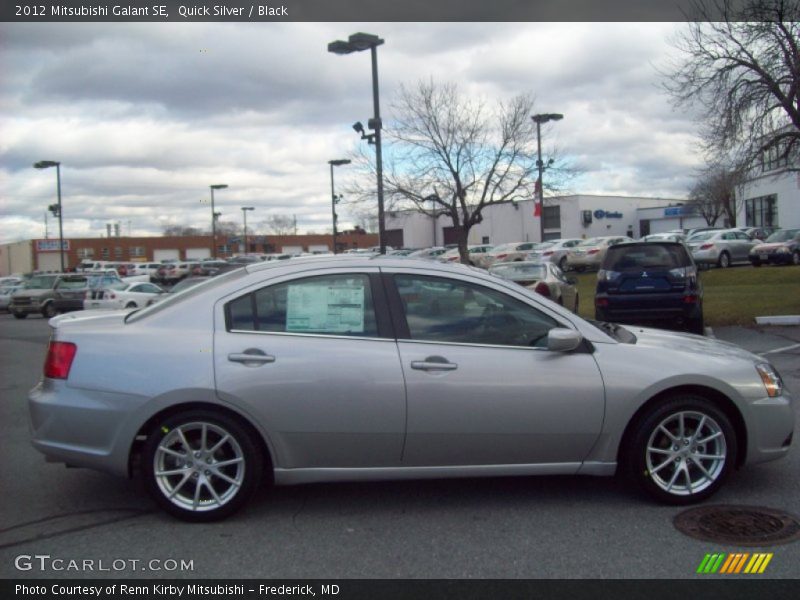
[145,116]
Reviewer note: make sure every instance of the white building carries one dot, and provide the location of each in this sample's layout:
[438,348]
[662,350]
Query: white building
[576,216]
[771,196]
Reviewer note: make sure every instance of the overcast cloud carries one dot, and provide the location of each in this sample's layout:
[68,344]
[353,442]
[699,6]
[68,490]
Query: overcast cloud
[145,116]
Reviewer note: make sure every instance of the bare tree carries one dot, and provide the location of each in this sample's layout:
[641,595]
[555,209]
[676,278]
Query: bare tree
[181,230]
[714,194]
[454,156]
[740,63]
[279,224]
[228,228]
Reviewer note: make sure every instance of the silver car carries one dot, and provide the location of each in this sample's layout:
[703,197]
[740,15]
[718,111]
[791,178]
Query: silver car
[358,368]
[720,247]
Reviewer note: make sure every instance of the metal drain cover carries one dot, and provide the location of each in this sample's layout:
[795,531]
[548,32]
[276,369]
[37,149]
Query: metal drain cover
[739,525]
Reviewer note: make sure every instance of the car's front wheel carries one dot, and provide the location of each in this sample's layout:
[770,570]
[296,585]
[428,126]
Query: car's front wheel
[201,465]
[49,311]
[724,260]
[682,450]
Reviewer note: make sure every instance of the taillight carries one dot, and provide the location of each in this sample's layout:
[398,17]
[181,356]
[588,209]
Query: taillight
[706,246]
[549,253]
[543,289]
[690,299]
[500,256]
[595,251]
[59,359]
[601,302]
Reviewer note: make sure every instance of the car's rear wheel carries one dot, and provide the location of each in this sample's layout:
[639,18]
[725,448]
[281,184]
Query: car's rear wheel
[49,311]
[131,305]
[201,465]
[682,450]
[724,260]
[562,264]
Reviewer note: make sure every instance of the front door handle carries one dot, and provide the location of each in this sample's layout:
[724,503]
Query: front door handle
[433,363]
[252,357]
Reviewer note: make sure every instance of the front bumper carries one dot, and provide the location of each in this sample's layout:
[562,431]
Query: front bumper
[770,428]
[772,258]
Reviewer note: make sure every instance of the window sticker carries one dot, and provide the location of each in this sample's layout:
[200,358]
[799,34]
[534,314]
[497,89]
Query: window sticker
[329,307]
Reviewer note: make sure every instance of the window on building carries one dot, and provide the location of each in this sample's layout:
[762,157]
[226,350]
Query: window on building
[552,217]
[105,254]
[775,157]
[85,253]
[118,252]
[485,239]
[136,251]
[762,211]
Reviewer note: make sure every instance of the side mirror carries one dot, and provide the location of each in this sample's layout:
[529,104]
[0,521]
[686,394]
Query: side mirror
[572,281]
[561,339]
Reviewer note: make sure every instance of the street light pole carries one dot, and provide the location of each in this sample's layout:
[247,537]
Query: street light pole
[218,186]
[356,43]
[539,119]
[334,200]
[244,213]
[45,164]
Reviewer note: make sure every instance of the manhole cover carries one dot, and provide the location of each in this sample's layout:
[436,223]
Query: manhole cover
[739,525]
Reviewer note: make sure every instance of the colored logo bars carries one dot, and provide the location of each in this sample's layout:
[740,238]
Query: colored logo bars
[731,564]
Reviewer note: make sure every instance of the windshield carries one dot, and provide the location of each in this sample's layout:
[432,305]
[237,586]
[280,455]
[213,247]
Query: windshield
[188,292]
[591,242]
[634,257]
[40,282]
[519,271]
[784,235]
[701,235]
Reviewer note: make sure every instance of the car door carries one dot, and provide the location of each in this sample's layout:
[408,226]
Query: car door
[313,358]
[482,388]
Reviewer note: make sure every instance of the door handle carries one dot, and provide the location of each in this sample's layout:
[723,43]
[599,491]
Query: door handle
[433,363]
[251,357]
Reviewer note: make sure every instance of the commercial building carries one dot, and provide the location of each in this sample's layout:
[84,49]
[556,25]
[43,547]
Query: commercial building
[770,197]
[43,255]
[574,216]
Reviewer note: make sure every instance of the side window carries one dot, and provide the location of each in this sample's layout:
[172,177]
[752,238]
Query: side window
[332,305]
[448,310]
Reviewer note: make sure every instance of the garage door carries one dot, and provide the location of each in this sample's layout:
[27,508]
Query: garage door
[166,254]
[197,253]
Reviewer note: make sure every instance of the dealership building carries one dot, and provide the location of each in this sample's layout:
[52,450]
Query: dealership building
[42,254]
[771,195]
[575,216]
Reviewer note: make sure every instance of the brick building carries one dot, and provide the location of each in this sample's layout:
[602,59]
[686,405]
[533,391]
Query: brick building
[42,255]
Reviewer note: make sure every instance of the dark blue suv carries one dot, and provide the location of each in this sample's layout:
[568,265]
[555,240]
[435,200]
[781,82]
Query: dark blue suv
[650,282]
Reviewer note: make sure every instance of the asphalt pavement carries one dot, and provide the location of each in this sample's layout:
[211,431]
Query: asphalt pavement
[560,527]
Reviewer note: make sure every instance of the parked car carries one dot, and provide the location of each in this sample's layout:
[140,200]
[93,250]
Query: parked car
[667,236]
[758,233]
[171,273]
[149,269]
[428,253]
[350,369]
[546,279]
[5,295]
[119,295]
[473,252]
[35,296]
[71,289]
[781,248]
[589,253]
[504,253]
[555,252]
[644,282]
[721,247]
[212,267]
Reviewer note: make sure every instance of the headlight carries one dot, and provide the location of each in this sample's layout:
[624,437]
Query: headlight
[783,250]
[771,378]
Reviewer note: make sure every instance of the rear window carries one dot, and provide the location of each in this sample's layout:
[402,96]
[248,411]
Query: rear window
[41,282]
[519,271]
[646,256]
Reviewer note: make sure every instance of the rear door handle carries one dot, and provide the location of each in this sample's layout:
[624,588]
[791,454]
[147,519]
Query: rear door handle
[433,363]
[252,357]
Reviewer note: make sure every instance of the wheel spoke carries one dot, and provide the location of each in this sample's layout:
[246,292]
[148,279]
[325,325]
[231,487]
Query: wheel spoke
[225,463]
[171,472]
[196,501]
[681,426]
[713,436]
[180,485]
[699,428]
[224,477]
[184,441]
[211,489]
[709,456]
[674,478]
[203,435]
[655,450]
[661,466]
[688,476]
[219,444]
[171,452]
[668,433]
[703,470]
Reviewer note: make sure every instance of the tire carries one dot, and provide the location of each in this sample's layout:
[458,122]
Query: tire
[19,315]
[796,258]
[131,305]
[562,264]
[195,489]
[724,260]
[49,310]
[694,478]
[577,303]
[696,326]
[755,263]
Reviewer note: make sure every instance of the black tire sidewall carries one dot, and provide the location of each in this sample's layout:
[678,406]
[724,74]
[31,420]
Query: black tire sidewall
[636,463]
[254,463]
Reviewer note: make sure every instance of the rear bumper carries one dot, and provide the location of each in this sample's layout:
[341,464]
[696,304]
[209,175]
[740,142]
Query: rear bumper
[655,307]
[774,258]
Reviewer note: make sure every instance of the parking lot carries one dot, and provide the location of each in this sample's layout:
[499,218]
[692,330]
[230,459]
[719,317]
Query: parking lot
[562,527]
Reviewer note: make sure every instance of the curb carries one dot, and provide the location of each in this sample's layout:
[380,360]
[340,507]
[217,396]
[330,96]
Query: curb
[779,320]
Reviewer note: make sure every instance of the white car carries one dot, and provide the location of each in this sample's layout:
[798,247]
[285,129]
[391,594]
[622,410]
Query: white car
[122,295]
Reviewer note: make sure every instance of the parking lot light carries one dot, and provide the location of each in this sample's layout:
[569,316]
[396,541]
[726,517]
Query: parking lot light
[217,186]
[46,164]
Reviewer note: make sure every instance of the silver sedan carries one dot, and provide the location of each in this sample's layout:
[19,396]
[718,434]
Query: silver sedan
[543,278]
[359,368]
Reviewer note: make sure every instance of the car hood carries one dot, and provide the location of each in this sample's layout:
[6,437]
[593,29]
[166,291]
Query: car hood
[771,246]
[688,343]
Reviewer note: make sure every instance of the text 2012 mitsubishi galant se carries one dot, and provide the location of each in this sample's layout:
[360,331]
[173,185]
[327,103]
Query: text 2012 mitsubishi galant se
[356,369]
